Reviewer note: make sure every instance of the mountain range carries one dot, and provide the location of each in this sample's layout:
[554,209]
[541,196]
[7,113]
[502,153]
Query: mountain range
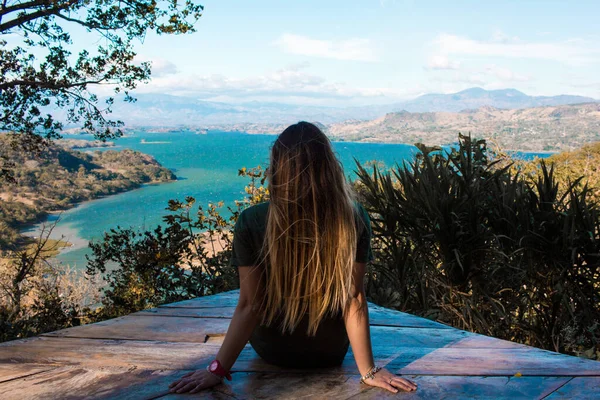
[477,97]
[162,110]
[548,128]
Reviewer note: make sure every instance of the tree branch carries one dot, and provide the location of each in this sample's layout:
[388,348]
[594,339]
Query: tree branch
[22,6]
[46,85]
[89,25]
[93,106]
[3,7]
[34,15]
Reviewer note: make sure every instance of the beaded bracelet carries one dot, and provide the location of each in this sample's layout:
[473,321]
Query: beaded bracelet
[370,374]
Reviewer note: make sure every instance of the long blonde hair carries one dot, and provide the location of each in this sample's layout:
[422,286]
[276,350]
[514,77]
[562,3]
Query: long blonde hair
[311,236]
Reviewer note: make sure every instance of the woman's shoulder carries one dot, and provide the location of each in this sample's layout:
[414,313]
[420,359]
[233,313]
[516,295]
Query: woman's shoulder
[256,209]
[254,216]
[360,210]
[362,217]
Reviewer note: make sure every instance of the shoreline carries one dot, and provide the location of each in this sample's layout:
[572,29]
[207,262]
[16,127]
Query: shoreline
[336,139]
[67,233]
[64,233]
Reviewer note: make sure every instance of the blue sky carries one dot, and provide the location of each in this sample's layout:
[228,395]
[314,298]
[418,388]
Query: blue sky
[378,51]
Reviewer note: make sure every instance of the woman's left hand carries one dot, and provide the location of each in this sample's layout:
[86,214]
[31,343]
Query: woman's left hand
[194,382]
[388,381]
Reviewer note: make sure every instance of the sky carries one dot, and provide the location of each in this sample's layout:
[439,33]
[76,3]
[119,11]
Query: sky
[352,53]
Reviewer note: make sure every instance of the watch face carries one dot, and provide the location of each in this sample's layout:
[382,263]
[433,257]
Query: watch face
[213,366]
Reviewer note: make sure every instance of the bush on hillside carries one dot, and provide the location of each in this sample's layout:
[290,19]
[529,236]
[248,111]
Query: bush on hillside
[165,265]
[38,297]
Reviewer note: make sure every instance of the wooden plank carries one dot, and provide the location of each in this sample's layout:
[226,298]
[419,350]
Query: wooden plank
[214,312]
[108,353]
[86,383]
[184,329]
[226,303]
[466,361]
[459,361]
[578,388]
[182,355]
[448,361]
[384,316]
[107,383]
[392,337]
[135,327]
[309,385]
[282,385]
[470,387]
[481,341]
[226,299]
[14,370]
[377,315]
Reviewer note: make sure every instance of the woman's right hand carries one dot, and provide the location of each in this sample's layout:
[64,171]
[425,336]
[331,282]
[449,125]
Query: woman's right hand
[194,382]
[386,380]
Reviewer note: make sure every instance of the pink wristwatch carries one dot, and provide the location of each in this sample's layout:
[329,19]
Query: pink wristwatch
[217,369]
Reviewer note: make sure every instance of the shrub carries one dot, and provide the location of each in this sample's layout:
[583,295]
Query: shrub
[36,296]
[466,239]
[146,269]
[186,259]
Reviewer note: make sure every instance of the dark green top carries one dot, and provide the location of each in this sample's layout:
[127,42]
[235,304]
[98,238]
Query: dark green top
[250,228]
[330,344]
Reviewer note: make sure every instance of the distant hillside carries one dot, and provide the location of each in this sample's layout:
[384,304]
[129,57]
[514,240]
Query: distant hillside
[476,97]
[162,110]
[59,178]
[534,129]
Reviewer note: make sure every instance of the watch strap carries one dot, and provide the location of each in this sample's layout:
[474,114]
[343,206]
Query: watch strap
[219,371]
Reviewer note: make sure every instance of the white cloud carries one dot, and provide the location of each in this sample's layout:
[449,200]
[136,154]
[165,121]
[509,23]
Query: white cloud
[441,62]
[159,66]
[505,74]
[285,85]
[357,49]
[571,52]
[491,76]
[500,37]
[162,67]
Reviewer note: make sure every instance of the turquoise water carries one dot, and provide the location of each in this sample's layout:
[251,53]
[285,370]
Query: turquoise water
[206,167]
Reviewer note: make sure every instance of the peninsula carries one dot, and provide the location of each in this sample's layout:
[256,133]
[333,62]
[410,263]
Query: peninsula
[59,178]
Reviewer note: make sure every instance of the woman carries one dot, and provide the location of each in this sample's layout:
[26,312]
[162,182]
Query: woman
[301,259]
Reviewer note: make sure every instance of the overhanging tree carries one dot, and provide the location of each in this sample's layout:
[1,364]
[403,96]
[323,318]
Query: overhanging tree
[41,74]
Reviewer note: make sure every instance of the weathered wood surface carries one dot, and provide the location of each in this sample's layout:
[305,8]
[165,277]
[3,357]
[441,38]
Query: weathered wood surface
[476,387]
[378,316]
[12,370]
[228,299]
[137,356]
[99,383]
[135,327]
[578,388]
[403,360]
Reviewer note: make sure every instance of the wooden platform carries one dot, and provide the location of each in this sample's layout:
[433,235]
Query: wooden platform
[137,356]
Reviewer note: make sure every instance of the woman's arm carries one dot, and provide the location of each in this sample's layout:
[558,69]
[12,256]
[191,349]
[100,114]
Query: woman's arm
[356,318]
[240,329]
[244,318]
